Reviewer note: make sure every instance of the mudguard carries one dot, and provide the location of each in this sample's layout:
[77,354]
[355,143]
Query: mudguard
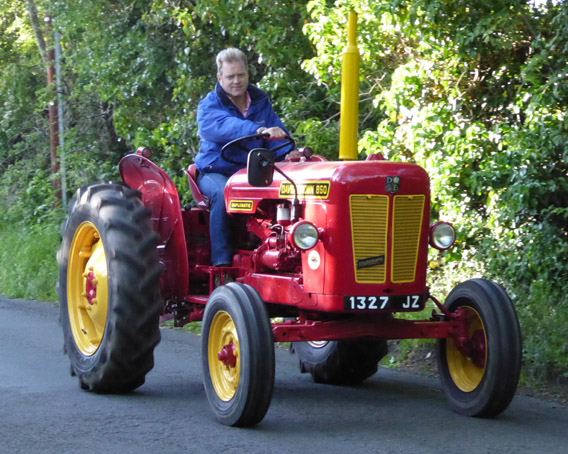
[160,195]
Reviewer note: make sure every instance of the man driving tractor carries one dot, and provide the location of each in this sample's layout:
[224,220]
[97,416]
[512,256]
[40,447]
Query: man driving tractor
[232,110]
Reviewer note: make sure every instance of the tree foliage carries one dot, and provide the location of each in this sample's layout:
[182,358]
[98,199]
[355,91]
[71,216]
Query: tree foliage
[476,93]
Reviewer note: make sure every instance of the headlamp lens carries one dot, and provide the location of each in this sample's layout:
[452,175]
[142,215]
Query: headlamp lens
[442,236]
[305,235]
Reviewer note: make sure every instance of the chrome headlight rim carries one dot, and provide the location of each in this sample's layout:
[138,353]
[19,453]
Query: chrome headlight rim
[445,230]
[304,235]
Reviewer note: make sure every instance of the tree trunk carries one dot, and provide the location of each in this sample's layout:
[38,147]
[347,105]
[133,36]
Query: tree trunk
[48,56]
[36,26]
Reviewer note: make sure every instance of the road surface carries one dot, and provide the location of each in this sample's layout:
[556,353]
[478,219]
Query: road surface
[43,410]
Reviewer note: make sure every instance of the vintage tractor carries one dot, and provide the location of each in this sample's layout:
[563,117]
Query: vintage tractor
[328,253]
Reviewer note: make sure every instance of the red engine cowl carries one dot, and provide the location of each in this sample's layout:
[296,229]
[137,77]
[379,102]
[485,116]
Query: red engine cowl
[374,220]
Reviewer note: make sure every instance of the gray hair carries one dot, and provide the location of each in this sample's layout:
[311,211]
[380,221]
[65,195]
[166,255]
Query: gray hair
[230,55]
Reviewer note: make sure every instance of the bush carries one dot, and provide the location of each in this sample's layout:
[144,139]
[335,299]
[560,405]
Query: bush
[29,266]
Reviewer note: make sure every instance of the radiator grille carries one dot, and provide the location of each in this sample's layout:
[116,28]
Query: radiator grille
[369,224]
[407,220]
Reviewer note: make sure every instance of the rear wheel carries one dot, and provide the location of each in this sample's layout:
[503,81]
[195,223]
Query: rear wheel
[480,378]
[341,362]
[237,355]
[108,288]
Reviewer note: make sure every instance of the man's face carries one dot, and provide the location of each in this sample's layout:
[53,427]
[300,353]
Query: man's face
[233,78]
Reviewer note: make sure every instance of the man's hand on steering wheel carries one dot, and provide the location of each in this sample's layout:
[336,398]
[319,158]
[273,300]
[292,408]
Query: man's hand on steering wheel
[267,133]
[278,133]
[275,132]
[294,154]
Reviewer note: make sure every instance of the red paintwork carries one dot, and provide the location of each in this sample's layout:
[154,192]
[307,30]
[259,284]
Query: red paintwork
[199,198]
[227,355]
[479,348]
[280,273]
[160,195]
[90,287]
[385,328]
[325,287]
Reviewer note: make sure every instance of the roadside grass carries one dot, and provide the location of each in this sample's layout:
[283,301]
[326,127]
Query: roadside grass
[193,327]
[28,265]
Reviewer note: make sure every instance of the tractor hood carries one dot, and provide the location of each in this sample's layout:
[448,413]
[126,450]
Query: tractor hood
[329,181]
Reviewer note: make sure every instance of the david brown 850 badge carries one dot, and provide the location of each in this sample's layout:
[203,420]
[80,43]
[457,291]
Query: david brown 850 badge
[306,190]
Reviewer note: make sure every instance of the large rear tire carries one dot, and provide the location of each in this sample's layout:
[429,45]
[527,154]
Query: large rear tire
[108,288]
[341,362]
[237,355]
[483,382]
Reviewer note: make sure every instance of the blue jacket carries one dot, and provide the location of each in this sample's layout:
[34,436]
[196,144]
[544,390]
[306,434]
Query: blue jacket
[219,121]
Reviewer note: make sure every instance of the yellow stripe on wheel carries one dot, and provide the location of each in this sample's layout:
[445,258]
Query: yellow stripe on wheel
[466,375]
[87,288]
[224,376]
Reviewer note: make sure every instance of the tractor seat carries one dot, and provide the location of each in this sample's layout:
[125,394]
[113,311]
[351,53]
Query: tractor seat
[200,199]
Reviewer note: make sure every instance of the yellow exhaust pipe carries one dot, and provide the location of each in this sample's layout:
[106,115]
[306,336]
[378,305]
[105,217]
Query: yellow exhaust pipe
[348,124]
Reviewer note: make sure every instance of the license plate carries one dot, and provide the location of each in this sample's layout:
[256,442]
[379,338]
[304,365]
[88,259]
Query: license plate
[397,302]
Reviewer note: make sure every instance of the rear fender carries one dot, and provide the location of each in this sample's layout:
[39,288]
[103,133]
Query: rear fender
[160,195]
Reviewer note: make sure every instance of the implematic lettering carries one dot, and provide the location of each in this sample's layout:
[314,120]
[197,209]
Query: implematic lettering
[241,205]
[309,189]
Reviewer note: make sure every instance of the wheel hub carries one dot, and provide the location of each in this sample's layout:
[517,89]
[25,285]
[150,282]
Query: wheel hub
[91,287]
[467,353]
[478,349]
[227,355]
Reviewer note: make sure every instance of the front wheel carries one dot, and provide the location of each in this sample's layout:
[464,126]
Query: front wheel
[480,377]
[237,355]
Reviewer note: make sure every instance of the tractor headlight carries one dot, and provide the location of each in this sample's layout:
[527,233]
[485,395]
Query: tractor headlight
[442,235]
[304,235]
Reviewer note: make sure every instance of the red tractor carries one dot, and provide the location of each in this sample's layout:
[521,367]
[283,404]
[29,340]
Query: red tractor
[328,253]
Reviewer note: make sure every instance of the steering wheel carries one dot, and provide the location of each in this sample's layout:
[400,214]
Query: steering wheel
[238,143]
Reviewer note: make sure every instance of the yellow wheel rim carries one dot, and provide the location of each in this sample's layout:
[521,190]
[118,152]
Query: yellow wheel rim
[465,373]
[87,288]
[224,356]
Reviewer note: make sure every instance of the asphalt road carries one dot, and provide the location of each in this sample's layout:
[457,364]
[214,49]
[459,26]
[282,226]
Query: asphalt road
[43,410]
